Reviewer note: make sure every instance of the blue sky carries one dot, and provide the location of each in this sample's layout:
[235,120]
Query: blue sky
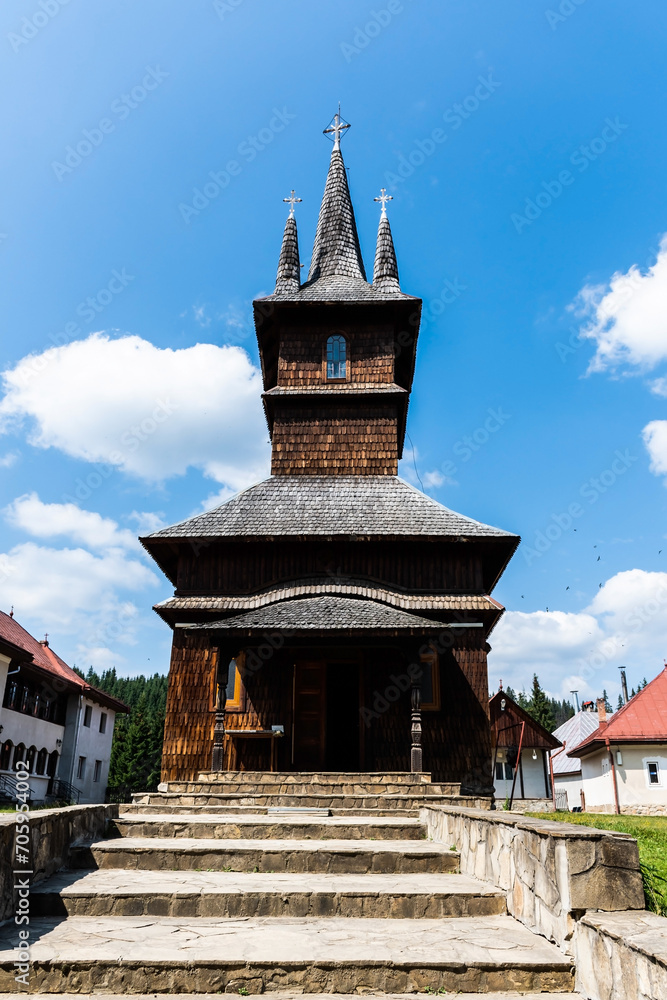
[524,148]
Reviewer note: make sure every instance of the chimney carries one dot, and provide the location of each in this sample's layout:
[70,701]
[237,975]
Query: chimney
[602,713]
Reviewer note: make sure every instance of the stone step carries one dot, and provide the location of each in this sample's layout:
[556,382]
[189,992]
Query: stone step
[312,788]
[292,995]
[311,955]
[384,803]
[335,856]
[321,777]
[270,827]
[233,809]
[112,892]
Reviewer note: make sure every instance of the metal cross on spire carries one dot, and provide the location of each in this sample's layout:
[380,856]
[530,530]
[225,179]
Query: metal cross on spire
[384,198]
[293,200]
[336,127]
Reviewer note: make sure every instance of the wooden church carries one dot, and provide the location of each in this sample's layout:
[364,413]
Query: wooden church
[332,617]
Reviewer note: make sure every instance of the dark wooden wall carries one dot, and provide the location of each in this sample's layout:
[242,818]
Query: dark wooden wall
[414,566]
[456,739]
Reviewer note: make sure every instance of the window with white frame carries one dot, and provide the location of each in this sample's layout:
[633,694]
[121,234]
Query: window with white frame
[653,772]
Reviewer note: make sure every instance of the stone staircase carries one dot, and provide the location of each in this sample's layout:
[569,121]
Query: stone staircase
[183,899]
[358,793]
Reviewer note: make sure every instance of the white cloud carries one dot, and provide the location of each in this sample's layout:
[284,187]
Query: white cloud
[627,316]
[82,597]
[655,440]
[625,623]
[49,520]
[150,412]
[659,387]
[147,521]
[73,592]
[9,459]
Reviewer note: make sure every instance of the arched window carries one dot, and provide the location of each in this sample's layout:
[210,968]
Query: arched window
[40,767]
[6,755]
[337,357]
[19,754]
[52,765]
[30,759]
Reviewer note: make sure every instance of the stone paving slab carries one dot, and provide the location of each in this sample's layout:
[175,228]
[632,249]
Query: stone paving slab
[278,826]
[383,802]
[234,808]
[293,995]
[113,892]
[336,856]
[317,955]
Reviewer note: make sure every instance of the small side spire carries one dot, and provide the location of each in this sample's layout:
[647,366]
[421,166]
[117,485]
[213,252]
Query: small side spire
[385,270]
[288,278]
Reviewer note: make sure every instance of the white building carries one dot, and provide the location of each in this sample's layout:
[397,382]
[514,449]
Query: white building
[521,755]
[568,778]
[53,720]
[624,761]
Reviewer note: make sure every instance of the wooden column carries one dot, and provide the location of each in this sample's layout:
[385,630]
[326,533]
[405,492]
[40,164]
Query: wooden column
[222,676]
[416,756]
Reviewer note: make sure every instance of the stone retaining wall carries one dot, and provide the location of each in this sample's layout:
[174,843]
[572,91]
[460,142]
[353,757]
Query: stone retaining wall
[621,956]
[552,873]
[52,833]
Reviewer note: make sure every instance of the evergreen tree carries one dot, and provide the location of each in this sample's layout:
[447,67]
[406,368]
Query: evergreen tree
[620,702]
[136,751]
[540,706]
[607,703]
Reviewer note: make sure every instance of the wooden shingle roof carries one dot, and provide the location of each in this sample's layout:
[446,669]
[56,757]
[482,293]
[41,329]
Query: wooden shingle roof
[328,613]
[360,506]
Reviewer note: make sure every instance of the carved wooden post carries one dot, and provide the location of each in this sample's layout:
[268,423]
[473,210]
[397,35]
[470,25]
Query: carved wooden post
[416,763]
[222,677]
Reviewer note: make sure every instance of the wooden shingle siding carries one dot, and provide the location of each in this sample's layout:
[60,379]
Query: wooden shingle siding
[335,440]
[370,355]
[188,729]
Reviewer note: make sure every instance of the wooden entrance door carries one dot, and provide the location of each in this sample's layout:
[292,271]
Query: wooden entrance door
[310,696]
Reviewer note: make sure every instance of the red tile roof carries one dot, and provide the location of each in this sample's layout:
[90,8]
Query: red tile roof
[44,658]
[642,720]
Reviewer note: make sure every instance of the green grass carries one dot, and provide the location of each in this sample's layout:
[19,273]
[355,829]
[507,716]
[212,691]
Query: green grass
[651,835]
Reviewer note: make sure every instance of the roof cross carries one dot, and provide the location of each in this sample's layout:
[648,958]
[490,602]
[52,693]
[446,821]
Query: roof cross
[293,200]
[336,127]
[384,198]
